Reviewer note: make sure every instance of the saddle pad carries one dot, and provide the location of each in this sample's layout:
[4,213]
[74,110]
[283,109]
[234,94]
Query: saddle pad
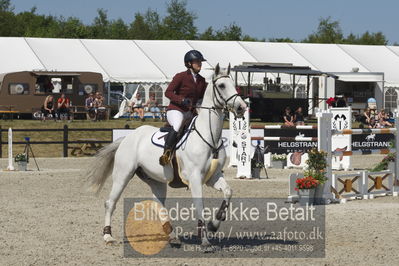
[158,138]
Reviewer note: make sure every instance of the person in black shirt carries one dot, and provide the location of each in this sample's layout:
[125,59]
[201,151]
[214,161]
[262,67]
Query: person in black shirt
[288,117]
[48,108]
[298,117]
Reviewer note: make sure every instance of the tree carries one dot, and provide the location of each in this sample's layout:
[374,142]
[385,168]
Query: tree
[72,28]
[139,29]
[328,31]
[118,29]
[281,40]
[100,27]
[233,32]
[208,34]
[5,6]
[179,23]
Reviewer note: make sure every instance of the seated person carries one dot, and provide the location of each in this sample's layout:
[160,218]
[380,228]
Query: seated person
[63,105]
[365,119]
[152,105]
[90,108]
[383,119]
[288,118]
[373,123]
[137,106]
[99,106]
[298,117]
[48,108]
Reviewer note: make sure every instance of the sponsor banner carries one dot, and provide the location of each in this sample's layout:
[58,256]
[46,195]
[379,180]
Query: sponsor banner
[285,147]
[372,141]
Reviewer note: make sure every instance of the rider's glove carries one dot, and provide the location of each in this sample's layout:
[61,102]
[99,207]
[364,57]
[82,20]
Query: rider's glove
[186,102]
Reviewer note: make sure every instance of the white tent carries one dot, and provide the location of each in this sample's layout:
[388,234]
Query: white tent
[168,56]
[377,59]
[63,55]
[143,61]
[124,61]
[16,55]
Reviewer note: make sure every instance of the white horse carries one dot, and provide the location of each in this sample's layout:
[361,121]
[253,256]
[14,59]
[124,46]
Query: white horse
[135,154]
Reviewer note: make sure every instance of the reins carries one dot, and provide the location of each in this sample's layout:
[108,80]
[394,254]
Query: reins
[215,150]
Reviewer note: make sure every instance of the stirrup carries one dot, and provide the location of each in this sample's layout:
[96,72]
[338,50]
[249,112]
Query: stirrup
[165,158]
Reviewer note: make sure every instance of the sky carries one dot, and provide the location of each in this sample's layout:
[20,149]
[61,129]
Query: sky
[294,19]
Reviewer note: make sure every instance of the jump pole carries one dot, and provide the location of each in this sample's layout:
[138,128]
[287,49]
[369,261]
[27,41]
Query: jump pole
[10,166]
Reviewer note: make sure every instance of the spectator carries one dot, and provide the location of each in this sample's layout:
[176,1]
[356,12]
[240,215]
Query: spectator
[99,106]
[90,108]
[373,123]
[288,117]
[366,116]
[137,106]
[340,102]
[63,105]
[152,105]
[298,117]
[48,108]
[47,85]
[383,119]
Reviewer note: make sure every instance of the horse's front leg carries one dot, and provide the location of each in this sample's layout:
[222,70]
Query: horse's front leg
[219,183]
[196,192]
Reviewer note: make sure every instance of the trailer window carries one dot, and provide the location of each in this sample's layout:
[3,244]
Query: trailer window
[87,88]
[18,88]
[67,85]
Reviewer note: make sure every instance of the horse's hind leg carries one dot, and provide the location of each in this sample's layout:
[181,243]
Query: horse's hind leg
[121,176]
[219,183]
[159,191]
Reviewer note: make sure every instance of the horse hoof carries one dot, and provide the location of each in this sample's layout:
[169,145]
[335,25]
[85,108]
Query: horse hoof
[175,242]
[109,240]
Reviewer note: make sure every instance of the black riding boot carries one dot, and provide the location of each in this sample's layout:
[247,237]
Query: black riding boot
[170,142]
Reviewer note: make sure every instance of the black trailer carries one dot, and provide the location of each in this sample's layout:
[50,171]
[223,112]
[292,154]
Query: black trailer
[270,109]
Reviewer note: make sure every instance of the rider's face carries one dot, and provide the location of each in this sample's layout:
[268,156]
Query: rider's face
[196,65]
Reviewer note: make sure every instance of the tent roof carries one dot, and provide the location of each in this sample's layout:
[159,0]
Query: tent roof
[64,55]
[16,55]
[377,59]
[159,60]
[327,57]
[123,61]
[168,56]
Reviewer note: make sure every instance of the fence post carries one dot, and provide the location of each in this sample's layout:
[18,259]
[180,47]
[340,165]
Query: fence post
[324,143]
[65,144]
[395,188]
[1,143]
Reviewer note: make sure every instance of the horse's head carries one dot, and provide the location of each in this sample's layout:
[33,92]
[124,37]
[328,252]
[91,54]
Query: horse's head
[225,94]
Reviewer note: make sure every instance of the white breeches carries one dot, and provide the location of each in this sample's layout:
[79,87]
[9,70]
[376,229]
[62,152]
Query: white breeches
[175,118]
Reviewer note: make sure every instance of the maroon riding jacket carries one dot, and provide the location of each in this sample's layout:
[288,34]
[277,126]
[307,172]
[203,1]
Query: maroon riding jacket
[184,86]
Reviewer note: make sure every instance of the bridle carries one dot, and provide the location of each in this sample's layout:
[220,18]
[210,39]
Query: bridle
[217,94]
[220,101]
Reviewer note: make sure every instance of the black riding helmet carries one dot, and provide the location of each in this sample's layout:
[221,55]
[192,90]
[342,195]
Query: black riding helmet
[193,55]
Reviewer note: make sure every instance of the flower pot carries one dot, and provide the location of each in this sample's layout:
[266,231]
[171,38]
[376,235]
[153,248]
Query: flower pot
[22,165]
[255,172]
[279,164]
[306,196]
[318,195]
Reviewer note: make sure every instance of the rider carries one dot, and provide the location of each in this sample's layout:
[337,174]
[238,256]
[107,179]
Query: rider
[185,90]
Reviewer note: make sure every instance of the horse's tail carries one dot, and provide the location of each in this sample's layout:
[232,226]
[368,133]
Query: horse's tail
[102,166]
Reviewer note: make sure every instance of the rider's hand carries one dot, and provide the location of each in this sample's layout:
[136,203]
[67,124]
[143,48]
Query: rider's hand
[186,102]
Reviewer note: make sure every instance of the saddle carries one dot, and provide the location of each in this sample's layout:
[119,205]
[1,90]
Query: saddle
[158,139]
